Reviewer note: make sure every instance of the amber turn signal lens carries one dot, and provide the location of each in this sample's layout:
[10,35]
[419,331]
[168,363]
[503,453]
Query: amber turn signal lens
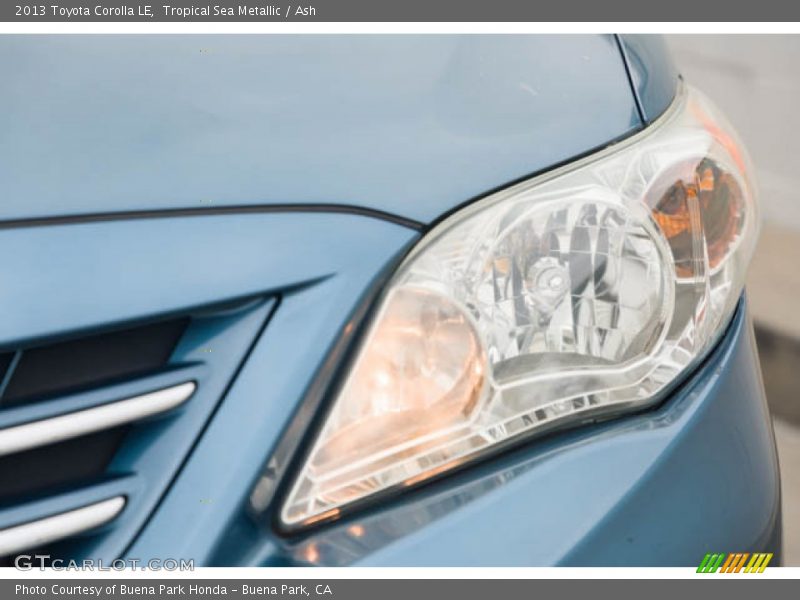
[702,203]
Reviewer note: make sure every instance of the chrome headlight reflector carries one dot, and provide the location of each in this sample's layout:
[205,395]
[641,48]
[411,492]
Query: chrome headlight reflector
[571,297]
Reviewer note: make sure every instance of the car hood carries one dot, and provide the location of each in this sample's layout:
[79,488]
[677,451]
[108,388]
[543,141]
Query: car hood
[409,125]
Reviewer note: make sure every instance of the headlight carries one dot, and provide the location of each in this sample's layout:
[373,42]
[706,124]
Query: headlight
[569,298]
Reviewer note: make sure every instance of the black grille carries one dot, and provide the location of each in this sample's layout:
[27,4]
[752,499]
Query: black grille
[71,462]
[67,366]
[5,362]
[37,373]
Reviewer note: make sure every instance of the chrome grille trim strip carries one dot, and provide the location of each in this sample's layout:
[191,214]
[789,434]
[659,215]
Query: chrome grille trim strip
[63,427]
[50,529]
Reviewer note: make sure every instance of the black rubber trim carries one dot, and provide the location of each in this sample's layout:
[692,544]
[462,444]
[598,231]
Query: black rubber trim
[168,213]
[629,73]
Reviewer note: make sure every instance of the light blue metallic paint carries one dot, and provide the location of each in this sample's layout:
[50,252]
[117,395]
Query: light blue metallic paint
[108,273]
[412,125]
[716,485]
[103,275]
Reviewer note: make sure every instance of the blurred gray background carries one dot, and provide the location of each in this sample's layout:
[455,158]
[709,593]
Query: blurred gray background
[755,79]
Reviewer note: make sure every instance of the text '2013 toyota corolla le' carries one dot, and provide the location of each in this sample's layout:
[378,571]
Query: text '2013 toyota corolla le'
[375,300]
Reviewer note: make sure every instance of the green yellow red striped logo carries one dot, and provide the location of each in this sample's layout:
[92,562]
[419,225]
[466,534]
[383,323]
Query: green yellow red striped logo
[735,562]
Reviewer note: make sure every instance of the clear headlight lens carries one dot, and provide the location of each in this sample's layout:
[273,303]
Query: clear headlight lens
[574,296]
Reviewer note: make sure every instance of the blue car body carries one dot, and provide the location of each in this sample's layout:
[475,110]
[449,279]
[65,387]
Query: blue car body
[264,187]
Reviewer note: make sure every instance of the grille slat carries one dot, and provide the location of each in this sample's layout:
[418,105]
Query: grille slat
[114,449]
[63,427]
[56,527]
[67,407]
